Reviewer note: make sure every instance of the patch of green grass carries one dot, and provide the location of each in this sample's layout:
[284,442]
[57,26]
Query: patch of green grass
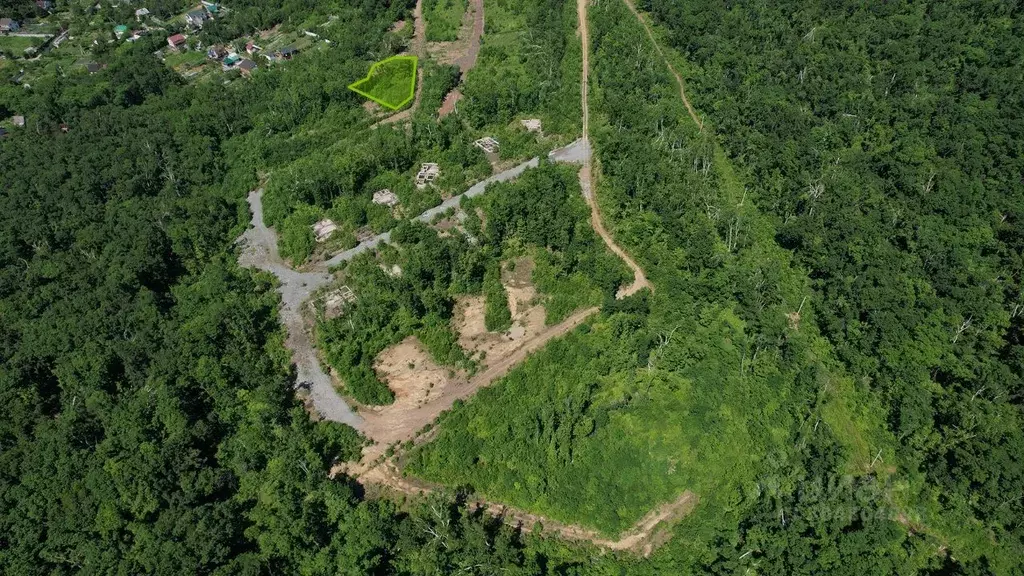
[189,59]
[16,45]
[443,19]
[575,433]
[390,82]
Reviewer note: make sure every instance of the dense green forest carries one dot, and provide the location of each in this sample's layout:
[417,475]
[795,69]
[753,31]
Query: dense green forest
[886,142]
[831,360]
[690,204]
[149,420]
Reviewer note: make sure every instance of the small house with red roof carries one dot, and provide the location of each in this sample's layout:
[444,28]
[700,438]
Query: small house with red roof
[177,41]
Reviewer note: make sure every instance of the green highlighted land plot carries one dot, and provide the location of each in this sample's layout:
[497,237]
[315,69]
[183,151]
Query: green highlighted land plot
[390,83]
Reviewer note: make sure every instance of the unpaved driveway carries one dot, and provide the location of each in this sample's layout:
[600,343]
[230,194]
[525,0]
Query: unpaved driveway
[259,250]
[466,61]
[586,174]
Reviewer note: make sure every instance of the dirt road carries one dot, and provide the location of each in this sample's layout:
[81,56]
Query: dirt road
[259,250]
[642,538]
[586,173]
[466,61]
[389,424]
[679,79]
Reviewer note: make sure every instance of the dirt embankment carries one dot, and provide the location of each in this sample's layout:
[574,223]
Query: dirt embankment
[419,399]
[645,536]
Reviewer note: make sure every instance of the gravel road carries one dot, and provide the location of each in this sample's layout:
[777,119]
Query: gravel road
[259,250]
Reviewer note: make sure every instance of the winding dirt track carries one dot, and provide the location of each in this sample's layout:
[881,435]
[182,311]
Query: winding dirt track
[586,173]
[657,46]
[649,531]
[641,538]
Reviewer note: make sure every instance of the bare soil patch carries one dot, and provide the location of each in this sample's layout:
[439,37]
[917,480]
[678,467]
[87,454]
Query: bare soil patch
[416,380]
[450,101]
[463,52]
[527,317]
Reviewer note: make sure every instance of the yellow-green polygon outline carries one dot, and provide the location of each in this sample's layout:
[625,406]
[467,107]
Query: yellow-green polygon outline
[370,85]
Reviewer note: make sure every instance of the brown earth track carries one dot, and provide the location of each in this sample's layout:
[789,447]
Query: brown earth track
[641,538]
[381,426]
[586,173]
[467,61]
[679,79]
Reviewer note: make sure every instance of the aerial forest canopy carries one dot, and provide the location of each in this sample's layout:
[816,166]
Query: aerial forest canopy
[829,369]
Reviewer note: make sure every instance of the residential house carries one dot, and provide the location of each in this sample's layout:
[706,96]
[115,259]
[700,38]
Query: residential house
[246,66]
[177,42]
[216,52]
[94,67]
[211,7]
[141,13]
[287,52]
[7,26]
[230,60]
[251,48]
[120,30]
[44,4]
[195,18]
[18,121]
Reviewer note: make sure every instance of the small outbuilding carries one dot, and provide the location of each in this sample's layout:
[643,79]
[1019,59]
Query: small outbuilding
[323,229]
[216,52]
[487,144]
[176,42]
[195,18]
[18,121]
[429,172]
[531,124]
[385,197]
[246,66]
[8,25]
